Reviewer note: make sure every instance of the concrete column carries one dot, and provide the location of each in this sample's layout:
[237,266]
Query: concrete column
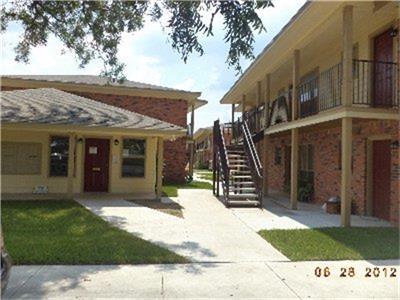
[233,113]
[71,166]
[160,166]
[295,80]
[267,97]
[294,167]
[266,152]
[191,145]
[347,85]
[347,128]
[258,103]
[243,105]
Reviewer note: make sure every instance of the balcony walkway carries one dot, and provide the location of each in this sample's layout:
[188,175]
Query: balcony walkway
[277,215]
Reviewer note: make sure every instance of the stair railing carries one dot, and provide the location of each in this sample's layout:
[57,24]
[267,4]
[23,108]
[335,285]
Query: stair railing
[220,164]
[255,163]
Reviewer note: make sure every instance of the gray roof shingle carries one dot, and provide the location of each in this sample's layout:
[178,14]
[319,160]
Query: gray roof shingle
[92,80]
[55,107]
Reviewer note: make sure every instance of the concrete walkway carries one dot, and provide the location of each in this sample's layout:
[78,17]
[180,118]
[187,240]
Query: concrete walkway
[208,232]
[277,216]
[212,280]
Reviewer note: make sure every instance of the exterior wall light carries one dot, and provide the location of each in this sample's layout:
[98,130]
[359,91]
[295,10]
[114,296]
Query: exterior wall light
[116,142]
[393,33]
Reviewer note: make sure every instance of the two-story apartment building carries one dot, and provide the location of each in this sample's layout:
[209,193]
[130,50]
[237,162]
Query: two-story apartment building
[322,103]
[162,103]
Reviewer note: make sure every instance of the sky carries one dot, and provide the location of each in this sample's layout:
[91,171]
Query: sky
[149,58]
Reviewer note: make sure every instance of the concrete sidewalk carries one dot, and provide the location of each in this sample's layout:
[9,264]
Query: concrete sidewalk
[208,232]
[277,216]
[211,280]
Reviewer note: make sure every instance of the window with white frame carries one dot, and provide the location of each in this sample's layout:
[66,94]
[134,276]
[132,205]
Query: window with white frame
[133,157]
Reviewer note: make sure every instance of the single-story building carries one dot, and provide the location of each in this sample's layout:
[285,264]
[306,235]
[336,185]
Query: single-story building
[60,144]
[163,103]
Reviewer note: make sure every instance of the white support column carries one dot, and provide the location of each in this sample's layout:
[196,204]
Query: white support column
[295,82]
[160,166]
[347,86]
[347,129]
[266,153]
[191,145]
[71,166]
[243,105]
[258,103]
[294,168]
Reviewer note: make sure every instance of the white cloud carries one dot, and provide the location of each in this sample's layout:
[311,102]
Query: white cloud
[186,85]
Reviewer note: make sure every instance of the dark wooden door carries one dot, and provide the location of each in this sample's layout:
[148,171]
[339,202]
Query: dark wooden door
[383,69]
[96,165]
[381,179]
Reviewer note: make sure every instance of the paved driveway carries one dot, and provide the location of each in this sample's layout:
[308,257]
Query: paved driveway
[208,232]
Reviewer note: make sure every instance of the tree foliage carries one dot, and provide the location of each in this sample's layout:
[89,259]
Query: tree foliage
[93,29]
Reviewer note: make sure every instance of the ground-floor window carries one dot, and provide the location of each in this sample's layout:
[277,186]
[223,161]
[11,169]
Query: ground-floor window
[133,157]
[21,158]
[59,147]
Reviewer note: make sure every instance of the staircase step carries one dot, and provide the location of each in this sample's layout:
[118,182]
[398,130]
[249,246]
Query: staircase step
[245,190]
[242,183]
[243,202]
[241,176]
[236,156]
[235,166]
[242,172]
[243,196]
[235,151]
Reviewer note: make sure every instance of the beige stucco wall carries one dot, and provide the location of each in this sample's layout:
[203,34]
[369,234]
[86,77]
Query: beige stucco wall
[15,184]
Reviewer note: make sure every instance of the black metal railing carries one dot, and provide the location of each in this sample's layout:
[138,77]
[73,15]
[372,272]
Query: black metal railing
[374,83]
[307,97]
[220,161]
[330,88]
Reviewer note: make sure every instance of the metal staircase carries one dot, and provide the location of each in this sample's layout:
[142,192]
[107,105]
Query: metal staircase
[237,169]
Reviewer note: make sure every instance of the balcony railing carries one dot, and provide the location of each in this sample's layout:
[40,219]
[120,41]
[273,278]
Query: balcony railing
[374,85]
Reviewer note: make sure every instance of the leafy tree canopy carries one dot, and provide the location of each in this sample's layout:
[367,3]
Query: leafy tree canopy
[93,29]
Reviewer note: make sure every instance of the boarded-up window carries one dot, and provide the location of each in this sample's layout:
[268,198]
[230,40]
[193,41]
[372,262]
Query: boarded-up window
[21,158]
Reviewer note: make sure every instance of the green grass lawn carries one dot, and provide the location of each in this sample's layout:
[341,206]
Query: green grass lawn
[335,243]
[64,232]
[171,190]
[205,175]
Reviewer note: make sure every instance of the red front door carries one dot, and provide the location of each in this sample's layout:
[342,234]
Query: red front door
[381,179]
[383,69]
[96,165]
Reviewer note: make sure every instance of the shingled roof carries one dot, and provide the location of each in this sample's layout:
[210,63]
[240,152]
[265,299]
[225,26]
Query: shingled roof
[93,80]
[54,107]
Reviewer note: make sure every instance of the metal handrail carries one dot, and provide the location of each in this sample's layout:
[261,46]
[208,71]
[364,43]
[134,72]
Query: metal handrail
[255,163]
[220,153]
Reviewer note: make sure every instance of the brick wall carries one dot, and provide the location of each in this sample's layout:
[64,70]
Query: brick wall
[169,110]
[327,172]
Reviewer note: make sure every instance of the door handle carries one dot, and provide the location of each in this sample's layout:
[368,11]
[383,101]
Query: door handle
[95,169]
